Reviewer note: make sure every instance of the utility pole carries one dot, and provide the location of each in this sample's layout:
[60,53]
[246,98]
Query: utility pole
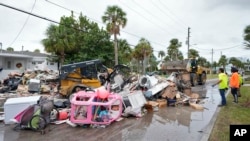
[188,42]
[212,59]
[1,45]
[212,55]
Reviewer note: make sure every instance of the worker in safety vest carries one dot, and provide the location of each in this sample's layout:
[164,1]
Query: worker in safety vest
[241,83]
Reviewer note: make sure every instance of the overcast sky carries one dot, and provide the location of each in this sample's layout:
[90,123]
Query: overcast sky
[214,24]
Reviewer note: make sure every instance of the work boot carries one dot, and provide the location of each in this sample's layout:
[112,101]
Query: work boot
[236,99]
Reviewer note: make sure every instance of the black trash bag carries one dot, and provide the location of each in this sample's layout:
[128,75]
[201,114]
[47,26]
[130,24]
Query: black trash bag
[59,104]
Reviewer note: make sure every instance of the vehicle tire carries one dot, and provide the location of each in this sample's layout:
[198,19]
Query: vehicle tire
[193,79]
[203,78]
[37,122]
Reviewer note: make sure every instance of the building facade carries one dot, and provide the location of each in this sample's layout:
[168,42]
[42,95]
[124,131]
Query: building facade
[29,60]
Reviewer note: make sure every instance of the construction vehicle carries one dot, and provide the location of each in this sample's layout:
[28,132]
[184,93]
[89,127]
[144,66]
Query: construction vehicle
[90,75]
[189,70]
[79,76]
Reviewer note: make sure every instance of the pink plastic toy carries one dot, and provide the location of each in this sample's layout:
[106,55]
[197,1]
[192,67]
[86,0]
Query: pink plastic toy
[99,107]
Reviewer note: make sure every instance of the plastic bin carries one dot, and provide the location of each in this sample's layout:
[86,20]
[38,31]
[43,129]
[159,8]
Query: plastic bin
[13,106]
[87,108]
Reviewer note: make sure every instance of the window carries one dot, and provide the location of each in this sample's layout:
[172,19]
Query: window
[51,63]
[39,62]
[33,63]
[9,65]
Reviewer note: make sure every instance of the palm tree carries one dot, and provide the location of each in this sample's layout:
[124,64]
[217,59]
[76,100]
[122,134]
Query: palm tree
[161,54]
[114,17]
[167,58]
[125,52]
[180,55]
[142,51]
[214,66]
[173,49]
[247,36]
[234,61]
[193,53]
[60,39]
[10,49]
[223,61]
[37,50]
[202,61]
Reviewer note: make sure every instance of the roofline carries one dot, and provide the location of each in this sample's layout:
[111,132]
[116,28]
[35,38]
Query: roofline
[15,55]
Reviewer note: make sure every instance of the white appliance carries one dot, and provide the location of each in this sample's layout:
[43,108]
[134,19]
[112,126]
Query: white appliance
[34,86]
[13,106]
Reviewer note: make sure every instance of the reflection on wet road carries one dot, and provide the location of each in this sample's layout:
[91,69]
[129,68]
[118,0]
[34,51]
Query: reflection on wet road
[181,123]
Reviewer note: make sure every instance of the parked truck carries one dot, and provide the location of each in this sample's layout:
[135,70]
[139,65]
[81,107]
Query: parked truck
[196,73]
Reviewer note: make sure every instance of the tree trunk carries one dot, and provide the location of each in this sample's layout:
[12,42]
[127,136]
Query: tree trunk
[144,62]
[138,66]
[116,49]
[61,61]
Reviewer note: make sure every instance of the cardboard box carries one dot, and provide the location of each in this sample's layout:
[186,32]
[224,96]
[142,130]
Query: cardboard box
[170,92]
[185,76]
[187,91]
[162,102]
[150,104]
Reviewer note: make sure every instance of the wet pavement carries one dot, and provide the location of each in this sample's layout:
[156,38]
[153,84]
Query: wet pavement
[168,124]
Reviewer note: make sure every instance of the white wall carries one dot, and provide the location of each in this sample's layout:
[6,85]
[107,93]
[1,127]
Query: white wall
[1,61]
[41,66]
[4,74]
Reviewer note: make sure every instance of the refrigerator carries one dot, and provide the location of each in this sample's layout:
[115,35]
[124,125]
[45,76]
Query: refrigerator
[13,106]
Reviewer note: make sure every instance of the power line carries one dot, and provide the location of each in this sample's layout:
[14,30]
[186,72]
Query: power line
[220,48]
[26,21]
[158,7]
[153,14]
[29,13]
[44,18]
[146,18]
[101,22]
[65,8]
[35,15]
[172,13]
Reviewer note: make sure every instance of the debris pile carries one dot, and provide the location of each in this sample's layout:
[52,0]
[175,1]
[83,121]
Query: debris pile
[98,107]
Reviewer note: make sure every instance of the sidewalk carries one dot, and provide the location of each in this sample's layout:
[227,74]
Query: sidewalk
[209,128]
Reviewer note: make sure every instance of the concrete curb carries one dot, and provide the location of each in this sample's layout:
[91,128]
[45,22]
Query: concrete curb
[247,85]
[207,131]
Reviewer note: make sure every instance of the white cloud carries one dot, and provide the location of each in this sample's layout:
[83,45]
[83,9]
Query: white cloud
[214,24]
